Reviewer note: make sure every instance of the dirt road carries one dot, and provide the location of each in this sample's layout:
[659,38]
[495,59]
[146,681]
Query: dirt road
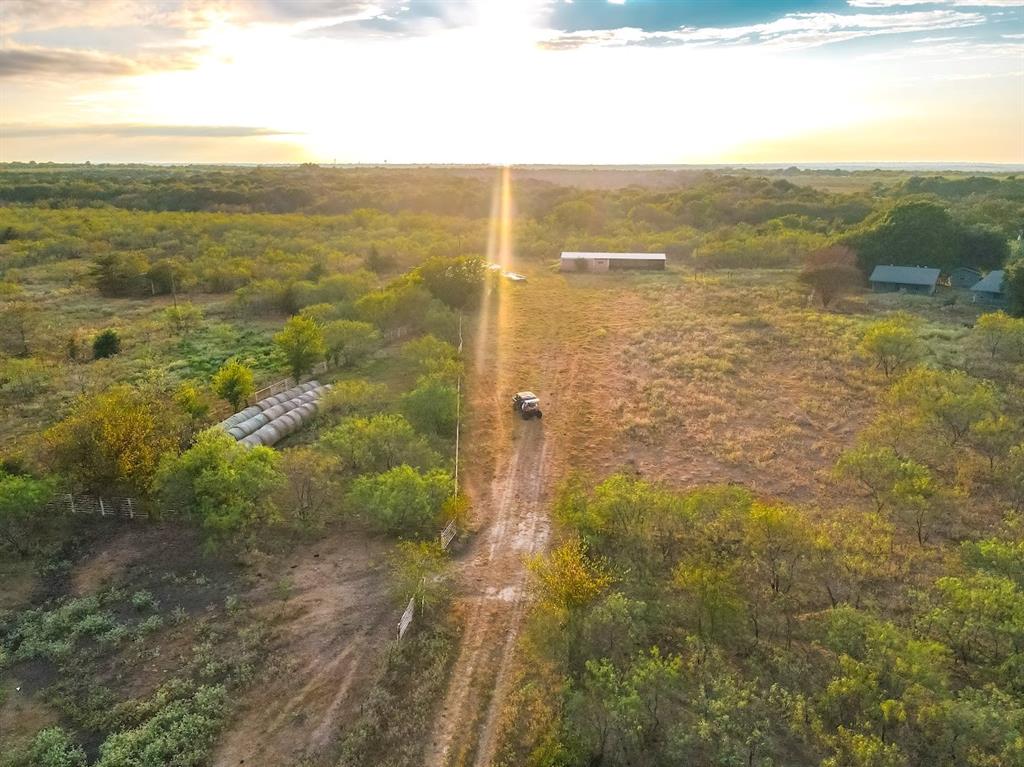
[494,580]
[512,468]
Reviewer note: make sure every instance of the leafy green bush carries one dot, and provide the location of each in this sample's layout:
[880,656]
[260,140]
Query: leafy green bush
[106,344]
[179,734]
[52,747]
[402,501]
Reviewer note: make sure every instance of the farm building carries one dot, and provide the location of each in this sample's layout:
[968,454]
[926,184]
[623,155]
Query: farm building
[964,277]
[603,262]
[991,289]
[905,279]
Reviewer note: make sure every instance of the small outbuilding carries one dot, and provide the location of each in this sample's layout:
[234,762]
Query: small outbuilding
[603,262]
[991,289]
[904,279]
[964,277]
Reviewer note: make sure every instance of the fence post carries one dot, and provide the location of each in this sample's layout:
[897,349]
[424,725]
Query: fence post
[71,502]
[102,512]
[131,511]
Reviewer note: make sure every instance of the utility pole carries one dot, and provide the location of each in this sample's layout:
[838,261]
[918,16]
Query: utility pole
[458,411]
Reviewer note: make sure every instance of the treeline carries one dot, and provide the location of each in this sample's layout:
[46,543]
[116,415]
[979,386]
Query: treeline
[219,252]
[711,626]
[304,189]
[387,219]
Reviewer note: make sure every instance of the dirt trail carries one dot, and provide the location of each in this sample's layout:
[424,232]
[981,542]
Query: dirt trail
[512,497]
[328,642]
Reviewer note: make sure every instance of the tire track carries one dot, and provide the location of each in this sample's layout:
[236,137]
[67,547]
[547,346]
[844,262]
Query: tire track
[494,579]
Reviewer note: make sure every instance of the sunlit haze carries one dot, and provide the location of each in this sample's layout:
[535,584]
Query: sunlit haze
[512,82]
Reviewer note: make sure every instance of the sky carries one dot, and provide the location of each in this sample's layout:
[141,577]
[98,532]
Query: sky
[512,81]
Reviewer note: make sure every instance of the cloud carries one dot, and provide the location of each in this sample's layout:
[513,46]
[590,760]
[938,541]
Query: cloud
[34,61]
[386,20]
[792,31]
[959,3]
[15,62]
[135,130]
[28,15]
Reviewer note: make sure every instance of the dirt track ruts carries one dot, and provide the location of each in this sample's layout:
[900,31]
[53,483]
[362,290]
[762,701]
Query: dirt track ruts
[514,524]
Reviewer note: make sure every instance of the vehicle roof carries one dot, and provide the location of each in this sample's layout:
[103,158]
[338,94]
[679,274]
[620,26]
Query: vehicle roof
[526,395]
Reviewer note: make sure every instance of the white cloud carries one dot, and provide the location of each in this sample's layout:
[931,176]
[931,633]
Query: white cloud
[960,3]
[793,31]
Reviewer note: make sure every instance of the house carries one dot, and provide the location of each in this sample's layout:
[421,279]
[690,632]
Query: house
[964,277]
[991,289]
[603,262]
[904,279]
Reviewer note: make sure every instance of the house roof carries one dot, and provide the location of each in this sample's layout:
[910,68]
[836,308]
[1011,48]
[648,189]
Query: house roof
[990,283]
[905,275]
[568,255]
[970,269]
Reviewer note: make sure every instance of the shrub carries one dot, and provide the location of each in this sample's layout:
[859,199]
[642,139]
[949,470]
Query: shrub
[227,486]
[106,344]
[301,342]
[234,383]
[432,407]
[378,443]
[402,501]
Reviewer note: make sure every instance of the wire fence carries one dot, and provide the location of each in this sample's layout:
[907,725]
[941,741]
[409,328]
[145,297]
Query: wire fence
[96,506]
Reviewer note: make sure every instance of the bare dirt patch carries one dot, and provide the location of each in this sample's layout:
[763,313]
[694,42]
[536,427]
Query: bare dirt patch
[331,616]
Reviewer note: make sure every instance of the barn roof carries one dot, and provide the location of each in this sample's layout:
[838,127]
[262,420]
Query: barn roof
[574,256]
[905,275]
[991,282]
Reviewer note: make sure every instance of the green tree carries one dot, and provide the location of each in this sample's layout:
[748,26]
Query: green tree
[983,247]
[402,501]
[892,344]
[23,509]
[120,274]
[567,579]
[301,342]
[1013,284]
[183,318]
[233,383]
[349,341]
[352,397]
[998,332]
[993,436]
[714,595]
[19,319]
[942,404]
[429,355]
[169,275]
[106,344]
[432,406]
[912,233]
[311,490]
[376,444]
[457,282]
[114,440]
[980,617]
[227,487]
[898,485]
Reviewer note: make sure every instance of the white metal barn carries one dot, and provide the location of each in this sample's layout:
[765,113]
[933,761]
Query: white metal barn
[604,262]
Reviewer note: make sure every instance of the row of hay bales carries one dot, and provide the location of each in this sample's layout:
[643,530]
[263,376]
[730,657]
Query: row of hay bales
[274,418]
